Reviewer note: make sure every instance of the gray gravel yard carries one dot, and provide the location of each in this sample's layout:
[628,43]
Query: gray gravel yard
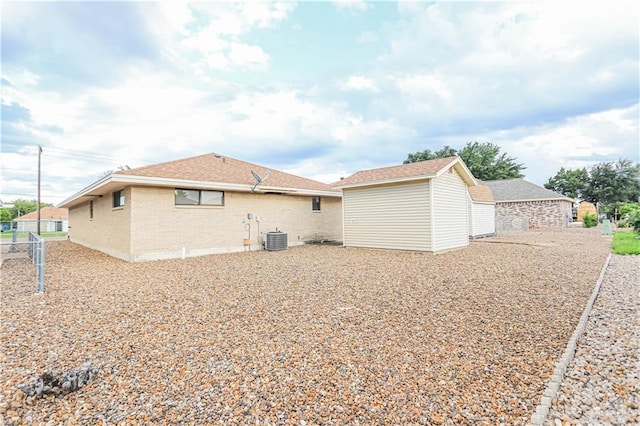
[602,383]
[311,335]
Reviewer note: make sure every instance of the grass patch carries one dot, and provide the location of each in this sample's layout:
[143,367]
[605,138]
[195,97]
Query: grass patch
[625,243]
[8,234]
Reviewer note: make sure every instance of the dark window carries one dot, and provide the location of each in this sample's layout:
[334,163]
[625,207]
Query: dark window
[118,198]
[91,209]
[315,204]
[194,197]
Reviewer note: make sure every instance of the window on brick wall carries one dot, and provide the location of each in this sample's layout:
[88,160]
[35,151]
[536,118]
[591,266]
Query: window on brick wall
[315,204]
[118,198]
[91,209]
[195,197]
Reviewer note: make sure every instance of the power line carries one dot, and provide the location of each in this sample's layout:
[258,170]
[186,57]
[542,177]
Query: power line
[61,153]
[25,195]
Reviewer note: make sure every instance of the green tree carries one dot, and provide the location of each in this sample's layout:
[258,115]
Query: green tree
[484,160]
[5,215]
[22,207]
[571,183]
[427,154]
[611,183]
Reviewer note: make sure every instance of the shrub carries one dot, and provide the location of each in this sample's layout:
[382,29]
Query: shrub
[589,220]
[629,209]
[624,223]
[634,221]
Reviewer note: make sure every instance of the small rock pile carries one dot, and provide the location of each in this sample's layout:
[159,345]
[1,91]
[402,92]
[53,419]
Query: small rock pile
[52,383]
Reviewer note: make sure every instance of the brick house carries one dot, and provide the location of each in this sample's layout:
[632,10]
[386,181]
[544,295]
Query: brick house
[521,204]
[197,206]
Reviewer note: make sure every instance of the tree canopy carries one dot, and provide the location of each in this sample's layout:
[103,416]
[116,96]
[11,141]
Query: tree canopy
[5,215]
[22,207]
[607,183]
[613,182]
[484,160]
[571,183]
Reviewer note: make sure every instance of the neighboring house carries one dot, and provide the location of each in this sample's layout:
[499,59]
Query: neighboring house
[197,206]
[52,219]
[418,206]
[482,212]
[521,204]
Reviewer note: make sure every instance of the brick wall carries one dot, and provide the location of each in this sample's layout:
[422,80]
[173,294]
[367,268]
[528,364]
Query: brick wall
[150,226]
[160,229]
[109,229]
[538,213]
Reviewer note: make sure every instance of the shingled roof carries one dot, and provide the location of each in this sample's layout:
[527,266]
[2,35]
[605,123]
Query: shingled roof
[405,172]
[47,213]
[208,171]
[481,194]
[510,190]
[218,168]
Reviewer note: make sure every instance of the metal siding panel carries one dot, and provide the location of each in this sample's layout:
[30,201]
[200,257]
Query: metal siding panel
[394,216]
[450,210]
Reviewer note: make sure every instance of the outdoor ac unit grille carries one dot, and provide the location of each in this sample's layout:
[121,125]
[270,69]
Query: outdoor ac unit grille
[276,241]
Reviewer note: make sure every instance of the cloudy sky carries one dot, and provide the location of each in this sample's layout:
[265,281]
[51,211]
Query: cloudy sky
[318,89]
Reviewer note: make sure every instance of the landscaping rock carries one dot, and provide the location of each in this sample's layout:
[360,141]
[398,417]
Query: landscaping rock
[51,383]
[314,334]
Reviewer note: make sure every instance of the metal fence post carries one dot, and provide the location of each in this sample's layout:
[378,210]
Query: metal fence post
[36,253]
[14,238]
[41,266]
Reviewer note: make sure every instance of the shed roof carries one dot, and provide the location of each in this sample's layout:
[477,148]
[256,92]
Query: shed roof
[481,194]
[46,213]
[521,190]
[208,171]
[406,172]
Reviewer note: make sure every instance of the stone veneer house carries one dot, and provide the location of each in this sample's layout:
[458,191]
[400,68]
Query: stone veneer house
[521,204]
[419,206]
[197,206]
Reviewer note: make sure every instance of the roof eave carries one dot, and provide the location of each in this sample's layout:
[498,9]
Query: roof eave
[74,199]
[463,171]
[97,188]
[535,199]
[384,181]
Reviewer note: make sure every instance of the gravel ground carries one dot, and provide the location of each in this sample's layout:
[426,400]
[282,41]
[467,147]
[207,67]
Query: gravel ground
[311,335]
[602,384]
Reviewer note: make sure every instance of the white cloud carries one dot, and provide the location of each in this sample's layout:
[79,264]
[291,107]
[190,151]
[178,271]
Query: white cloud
[219,42]
[352,6]
[358,82]
[244,54]
[421,85]
[581,141]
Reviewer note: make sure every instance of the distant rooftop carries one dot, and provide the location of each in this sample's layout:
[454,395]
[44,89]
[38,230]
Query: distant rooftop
[521,190]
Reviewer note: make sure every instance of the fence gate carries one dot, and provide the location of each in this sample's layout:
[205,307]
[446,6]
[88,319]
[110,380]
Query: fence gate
[33,248]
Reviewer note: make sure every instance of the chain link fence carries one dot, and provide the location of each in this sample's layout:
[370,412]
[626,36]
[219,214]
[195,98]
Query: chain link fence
[32,249]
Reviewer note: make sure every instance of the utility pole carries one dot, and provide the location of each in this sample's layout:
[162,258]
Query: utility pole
[38,201]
